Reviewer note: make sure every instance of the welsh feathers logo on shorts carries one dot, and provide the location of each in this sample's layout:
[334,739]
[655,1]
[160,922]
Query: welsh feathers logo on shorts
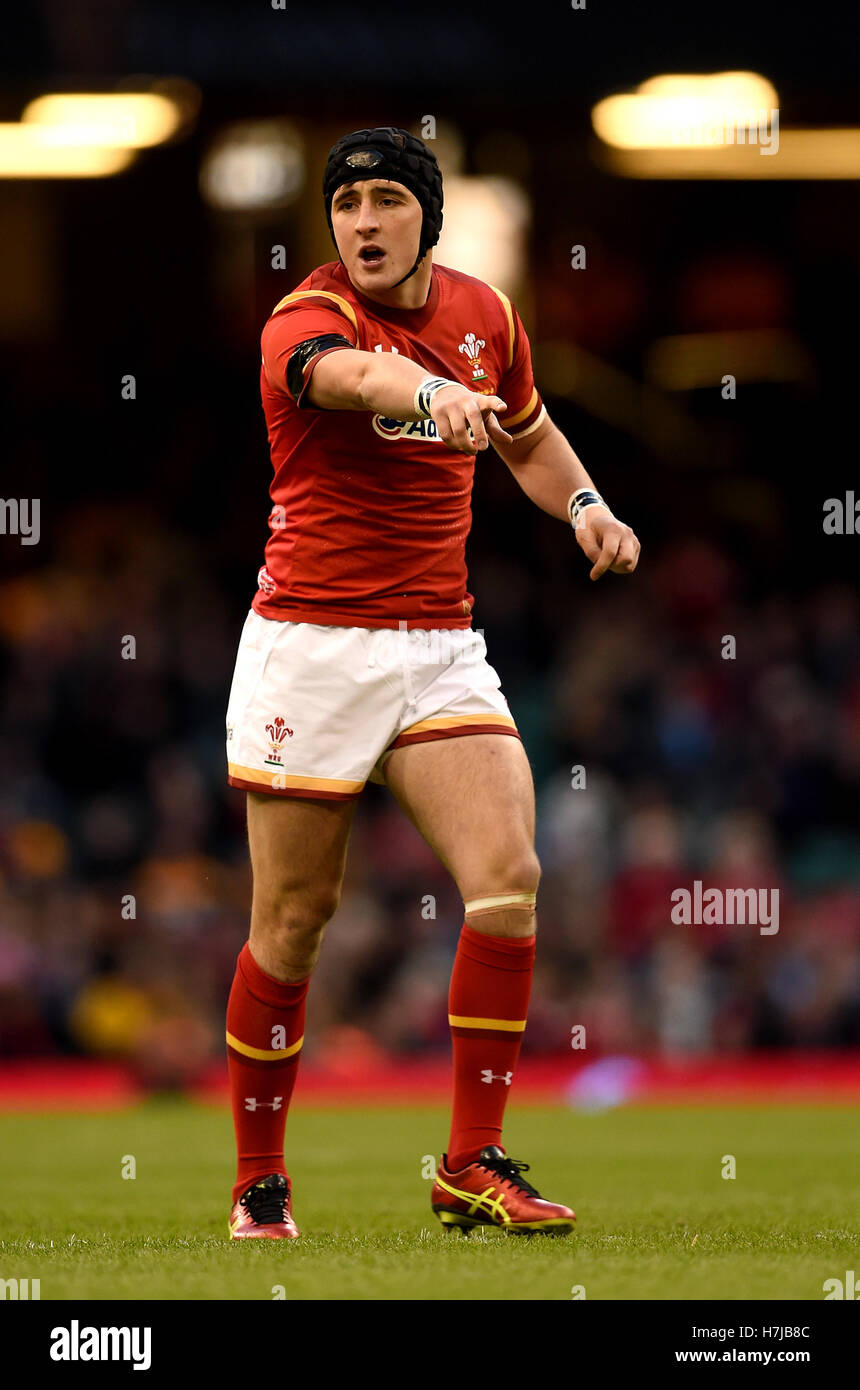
[278,735]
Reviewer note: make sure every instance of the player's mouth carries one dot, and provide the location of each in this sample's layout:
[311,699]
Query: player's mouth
[371,255]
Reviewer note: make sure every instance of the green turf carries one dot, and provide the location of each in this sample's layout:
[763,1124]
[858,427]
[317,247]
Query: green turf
[656,1219]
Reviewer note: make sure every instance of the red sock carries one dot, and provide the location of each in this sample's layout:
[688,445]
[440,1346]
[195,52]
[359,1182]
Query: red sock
[263,1064]
[490,985]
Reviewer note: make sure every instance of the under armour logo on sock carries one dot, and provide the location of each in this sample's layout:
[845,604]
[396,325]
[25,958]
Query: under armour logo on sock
[490,1077]
[251,1103]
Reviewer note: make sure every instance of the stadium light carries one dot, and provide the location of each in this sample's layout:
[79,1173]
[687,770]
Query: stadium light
[29,152]
[682,110]
[484,229]
[715,125]
[803,154]
[116,120]
[254,165]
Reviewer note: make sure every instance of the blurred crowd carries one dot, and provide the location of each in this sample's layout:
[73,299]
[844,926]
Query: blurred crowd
[662,754]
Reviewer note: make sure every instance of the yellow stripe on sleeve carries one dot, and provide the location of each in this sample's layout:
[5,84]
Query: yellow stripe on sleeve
[506,304]
[510,420]
[343,304]
[532,427]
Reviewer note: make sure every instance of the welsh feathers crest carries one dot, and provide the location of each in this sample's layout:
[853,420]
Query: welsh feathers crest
[471,346]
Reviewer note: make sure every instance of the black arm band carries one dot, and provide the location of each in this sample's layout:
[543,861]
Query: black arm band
[302,355]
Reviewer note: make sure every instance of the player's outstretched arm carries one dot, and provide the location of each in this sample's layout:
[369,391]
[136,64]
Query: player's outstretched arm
[549,472]
[393,385]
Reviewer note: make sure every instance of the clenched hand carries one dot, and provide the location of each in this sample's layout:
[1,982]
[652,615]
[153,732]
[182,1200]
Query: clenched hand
[607,542]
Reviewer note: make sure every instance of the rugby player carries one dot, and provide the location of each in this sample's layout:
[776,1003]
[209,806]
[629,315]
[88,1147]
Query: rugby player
[383,377]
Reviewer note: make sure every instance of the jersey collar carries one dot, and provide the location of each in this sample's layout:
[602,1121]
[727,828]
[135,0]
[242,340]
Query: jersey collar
[410,318]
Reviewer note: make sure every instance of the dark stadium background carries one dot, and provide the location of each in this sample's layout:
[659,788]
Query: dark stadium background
[153,521]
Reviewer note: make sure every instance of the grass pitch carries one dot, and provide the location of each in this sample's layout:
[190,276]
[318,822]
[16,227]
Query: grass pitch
[656,1218]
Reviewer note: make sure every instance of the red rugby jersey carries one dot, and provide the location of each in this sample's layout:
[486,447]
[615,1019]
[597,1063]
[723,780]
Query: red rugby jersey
[370,515]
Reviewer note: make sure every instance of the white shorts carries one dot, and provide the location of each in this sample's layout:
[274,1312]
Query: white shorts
[315,710]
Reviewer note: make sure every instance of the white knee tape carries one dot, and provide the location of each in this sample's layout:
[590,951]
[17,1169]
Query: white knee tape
[502,900]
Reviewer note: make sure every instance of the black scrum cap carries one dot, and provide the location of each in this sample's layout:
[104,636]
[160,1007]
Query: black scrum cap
[388,152]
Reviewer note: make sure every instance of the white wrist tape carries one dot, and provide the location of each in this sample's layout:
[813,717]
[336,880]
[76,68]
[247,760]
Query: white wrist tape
[579,502]
[425,392]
